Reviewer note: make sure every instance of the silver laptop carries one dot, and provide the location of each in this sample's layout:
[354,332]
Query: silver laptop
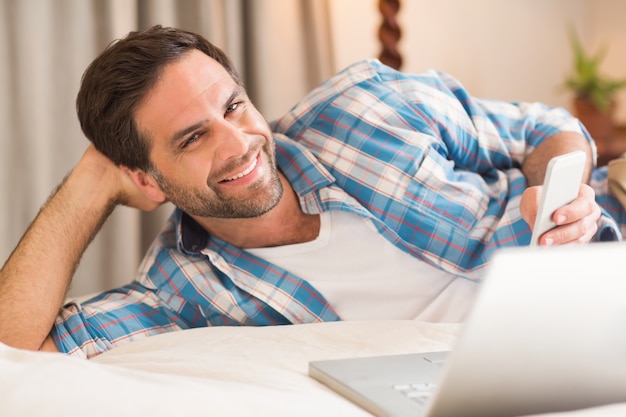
[547,333]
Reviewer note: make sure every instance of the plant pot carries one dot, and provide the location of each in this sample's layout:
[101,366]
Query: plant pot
[599,124]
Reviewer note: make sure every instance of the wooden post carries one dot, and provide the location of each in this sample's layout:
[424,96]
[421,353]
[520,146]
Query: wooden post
[389,33]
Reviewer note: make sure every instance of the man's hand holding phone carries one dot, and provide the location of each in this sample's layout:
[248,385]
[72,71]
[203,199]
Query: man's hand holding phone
[563,209]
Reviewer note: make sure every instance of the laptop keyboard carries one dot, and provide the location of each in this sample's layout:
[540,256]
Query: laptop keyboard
[420,392]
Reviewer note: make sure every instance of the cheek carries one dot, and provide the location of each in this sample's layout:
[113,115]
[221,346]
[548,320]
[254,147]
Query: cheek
[186,171]
[196,171]
[255,121]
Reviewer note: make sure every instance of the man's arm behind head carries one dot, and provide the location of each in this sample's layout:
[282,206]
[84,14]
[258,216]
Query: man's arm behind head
[35,278]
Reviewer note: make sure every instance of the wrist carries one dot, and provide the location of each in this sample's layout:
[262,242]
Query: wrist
[92,186]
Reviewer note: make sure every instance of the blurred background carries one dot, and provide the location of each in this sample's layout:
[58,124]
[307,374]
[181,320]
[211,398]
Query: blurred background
[507,49]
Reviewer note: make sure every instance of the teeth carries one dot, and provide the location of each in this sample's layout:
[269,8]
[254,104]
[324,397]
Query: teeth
[244,173]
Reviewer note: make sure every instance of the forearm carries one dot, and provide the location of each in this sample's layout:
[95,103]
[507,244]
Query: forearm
[35,278]
[534,166]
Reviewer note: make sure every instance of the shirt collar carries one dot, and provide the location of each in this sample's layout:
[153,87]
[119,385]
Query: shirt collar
[303,170]
[190,236]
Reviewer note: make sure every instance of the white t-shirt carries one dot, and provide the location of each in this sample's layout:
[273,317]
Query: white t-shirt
[363,276]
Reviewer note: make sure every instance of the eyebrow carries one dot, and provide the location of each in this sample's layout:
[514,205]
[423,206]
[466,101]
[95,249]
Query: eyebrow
[179,135]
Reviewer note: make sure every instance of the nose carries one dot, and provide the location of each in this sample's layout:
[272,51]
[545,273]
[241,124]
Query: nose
[232,142]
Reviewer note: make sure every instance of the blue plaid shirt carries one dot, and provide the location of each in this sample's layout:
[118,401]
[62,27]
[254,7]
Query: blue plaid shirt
[436,170]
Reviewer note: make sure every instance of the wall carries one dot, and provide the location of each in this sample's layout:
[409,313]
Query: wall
[506,49]
[606,28]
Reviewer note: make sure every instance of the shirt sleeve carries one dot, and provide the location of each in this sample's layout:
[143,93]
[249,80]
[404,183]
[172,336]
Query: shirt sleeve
[86,329]
[489,137]
[502,134]
[482,134]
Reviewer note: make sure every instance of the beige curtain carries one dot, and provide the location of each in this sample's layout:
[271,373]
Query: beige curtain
[281,47]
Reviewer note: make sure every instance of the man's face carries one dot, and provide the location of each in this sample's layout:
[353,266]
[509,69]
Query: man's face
[212,151]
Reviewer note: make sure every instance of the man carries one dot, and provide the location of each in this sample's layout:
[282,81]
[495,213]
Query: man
[380,195]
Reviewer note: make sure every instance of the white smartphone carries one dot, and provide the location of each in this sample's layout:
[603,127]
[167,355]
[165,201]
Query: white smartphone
[564,175]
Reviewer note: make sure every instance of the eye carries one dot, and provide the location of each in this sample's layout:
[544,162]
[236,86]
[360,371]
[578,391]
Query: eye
[232,107]
[191,139]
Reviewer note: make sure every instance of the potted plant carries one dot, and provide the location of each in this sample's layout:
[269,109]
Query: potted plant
[593,92]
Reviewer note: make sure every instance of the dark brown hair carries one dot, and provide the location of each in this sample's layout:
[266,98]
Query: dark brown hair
[116,82]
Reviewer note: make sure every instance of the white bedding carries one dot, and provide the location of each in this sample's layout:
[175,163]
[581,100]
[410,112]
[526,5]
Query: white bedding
[223,371]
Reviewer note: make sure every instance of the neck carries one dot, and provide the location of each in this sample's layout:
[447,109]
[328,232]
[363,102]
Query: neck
[285,224]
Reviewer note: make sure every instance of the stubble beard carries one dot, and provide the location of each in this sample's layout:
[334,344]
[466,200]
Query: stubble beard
[260,197]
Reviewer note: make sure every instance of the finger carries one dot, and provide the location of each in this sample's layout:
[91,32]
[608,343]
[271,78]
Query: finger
[580,231]
[584,205]
[529,204]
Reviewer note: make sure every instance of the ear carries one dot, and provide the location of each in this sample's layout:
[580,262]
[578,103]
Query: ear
[146,184]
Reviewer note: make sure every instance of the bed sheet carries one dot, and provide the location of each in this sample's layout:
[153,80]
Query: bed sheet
[225,371]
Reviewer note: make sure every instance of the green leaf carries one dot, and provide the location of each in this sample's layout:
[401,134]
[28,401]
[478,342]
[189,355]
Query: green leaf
[586,81]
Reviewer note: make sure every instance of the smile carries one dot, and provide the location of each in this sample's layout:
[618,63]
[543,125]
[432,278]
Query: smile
[244,172]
